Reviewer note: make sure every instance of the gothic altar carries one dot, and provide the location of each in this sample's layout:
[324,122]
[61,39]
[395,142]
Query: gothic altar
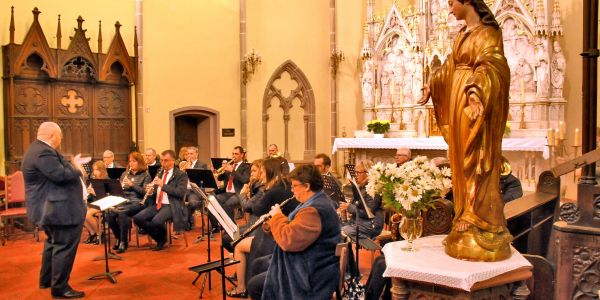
[400,47]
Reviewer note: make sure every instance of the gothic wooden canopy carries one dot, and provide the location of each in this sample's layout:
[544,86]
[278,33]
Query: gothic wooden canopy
[87,93]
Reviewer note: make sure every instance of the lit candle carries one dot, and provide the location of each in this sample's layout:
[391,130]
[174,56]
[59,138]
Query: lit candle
[522,91]
[561,130]
[577,141]
[556,138]
[550,137]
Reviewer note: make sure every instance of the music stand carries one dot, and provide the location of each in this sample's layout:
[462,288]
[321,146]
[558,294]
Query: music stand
[359,201]
[217,162]
[332,189]
[115,173]
[104,188]
[226,226]
[152,170]
[103,205]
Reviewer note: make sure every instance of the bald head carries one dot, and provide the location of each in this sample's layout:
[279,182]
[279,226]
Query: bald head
[50,133]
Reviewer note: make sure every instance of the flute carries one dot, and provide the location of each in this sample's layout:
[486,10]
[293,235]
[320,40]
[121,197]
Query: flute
[149,191]
[262,219]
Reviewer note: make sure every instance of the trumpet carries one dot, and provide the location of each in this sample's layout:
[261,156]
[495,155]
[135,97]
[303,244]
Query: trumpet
[184,164]
[222,168]
[261,220]
[149,191]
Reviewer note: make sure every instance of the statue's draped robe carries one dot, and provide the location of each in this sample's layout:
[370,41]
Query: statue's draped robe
[477,65]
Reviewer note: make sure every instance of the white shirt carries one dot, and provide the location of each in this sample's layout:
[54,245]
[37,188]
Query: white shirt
[165,197]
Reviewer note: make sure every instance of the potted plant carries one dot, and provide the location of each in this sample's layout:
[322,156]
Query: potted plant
[409,189]
[378,127]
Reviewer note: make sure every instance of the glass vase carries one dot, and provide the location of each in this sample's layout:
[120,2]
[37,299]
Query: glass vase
[411,228]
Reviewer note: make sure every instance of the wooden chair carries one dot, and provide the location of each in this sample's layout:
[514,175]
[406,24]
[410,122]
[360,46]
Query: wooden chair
[14,205]
[342,250]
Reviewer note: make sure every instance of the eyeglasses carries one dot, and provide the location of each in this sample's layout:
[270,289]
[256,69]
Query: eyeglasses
[401,155]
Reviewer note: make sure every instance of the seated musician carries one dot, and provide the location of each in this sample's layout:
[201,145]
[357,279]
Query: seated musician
[151,157]
[171,187]
[367,228]
[323,164]
[402,155]
[276,189]
[108,157]
[91,222]
[235,175]
[133,182]
[273,152]
[304,265]
[194,202]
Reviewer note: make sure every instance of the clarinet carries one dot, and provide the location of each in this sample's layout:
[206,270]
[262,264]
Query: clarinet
[262,219]
[149,192]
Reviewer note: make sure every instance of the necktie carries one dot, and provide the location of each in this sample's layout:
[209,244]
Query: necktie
[230,182]
[159,199]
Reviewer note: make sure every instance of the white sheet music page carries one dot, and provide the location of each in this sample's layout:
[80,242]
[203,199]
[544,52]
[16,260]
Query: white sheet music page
[226,222]
[107,202]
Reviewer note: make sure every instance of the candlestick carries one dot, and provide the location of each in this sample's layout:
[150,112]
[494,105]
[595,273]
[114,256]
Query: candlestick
[393,87]
[550,137]
[522,91]
[577,139]
[556,138]
[401,95]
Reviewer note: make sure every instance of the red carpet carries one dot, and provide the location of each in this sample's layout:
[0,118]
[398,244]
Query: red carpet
[146,274]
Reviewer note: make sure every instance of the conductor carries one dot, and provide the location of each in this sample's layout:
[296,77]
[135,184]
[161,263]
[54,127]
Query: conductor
[54,197]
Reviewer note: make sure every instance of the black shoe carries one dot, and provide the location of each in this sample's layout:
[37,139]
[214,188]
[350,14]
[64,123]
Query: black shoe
[70,294]
[116,245]
[141,230]
[95,241]
[44,286]
[122,247]
[91,238]
[160,245]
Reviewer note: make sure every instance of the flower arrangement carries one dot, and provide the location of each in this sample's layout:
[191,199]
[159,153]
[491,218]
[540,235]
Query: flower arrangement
[410,188]
[378,126]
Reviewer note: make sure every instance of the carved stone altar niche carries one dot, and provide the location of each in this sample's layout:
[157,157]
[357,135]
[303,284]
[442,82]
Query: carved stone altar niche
[399,50]
[88,94]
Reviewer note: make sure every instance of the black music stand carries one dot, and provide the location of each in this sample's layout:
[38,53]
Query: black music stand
[368,243]
[115,173]
[226,226]
[217,162]
[332,189]
[103,188]
[350,168]
[105,203]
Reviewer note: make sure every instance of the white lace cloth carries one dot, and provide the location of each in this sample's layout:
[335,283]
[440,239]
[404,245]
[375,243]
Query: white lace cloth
[432,265]
[435,143]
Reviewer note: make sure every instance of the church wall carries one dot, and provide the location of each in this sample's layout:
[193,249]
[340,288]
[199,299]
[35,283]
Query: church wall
[91,11]
[296,30]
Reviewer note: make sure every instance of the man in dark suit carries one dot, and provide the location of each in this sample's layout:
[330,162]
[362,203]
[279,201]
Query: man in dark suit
[108,157]
[235,175]
[169,193]
[54,193]
[151,157]
[194,202]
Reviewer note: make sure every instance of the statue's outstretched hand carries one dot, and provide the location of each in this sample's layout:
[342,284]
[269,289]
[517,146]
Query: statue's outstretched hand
[475,105]
[426,95]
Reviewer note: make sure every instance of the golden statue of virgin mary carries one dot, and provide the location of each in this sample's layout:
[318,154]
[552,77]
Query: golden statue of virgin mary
[470,97]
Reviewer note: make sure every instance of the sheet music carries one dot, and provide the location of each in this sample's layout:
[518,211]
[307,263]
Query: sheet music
[107,202]
[217,211]
[356,189]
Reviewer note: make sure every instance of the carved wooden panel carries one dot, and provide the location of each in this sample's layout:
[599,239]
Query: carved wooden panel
[88,94]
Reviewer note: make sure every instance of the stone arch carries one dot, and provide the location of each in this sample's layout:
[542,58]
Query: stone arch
[209,131]
[302,92]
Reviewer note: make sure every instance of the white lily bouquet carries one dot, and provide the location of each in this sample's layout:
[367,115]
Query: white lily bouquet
[410,188]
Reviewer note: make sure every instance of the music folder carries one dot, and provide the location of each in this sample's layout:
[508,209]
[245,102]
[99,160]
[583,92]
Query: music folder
[115,173]
[107,187]
[226,222]
[358,195]
[107,202]
[217,162]
[204,178]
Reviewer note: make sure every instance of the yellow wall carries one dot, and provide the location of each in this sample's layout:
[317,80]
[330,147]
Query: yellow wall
[191,56]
